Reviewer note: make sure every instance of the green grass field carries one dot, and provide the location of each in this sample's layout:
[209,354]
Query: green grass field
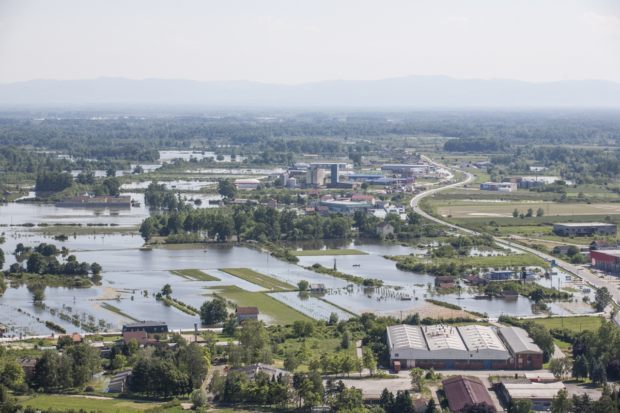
[571,323]
[257,278]
[278,312]
[61,402]
[472,209]
[312,253]
[194,274]
[499,261]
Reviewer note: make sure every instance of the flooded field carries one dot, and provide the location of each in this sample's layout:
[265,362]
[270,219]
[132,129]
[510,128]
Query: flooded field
[132,277]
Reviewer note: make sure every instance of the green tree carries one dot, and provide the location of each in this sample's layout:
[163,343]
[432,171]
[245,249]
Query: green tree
[166,290]
[540,212]
[213,312]
[602,298]
[417,378]
[580,367]
[291,361]
[520,406]
[561,403]
[302,285]
[368,360]
[560,367]
[118,362]
[1,258]
[11,374]
[515,213]
[227,188]
[95,268]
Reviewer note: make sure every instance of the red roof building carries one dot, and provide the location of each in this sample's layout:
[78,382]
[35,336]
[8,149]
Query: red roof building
[466,391]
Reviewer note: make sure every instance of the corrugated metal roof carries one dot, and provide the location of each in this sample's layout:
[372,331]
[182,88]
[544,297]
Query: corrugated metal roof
[443,337]
[533,390]
[481,338]
[518,340]
[406,336]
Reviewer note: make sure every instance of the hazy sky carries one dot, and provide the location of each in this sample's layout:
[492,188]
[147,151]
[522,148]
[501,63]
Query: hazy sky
[292,41]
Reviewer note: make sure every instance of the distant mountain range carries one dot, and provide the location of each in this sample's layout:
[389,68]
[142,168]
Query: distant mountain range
[403,92]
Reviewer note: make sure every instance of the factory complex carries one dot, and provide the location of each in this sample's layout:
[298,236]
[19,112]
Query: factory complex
[473,347]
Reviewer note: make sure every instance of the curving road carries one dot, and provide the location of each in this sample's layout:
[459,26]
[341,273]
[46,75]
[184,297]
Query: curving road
[581,272]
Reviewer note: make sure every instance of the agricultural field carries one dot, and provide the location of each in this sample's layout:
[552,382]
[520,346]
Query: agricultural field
[103,405]
[344,251]
[571,323]
[277,312]
[474,209]
[257,278]
[194,274]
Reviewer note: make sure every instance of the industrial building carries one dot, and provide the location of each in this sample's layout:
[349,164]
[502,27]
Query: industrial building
[247,184]
[462,392]
[498,186]
[465,347]
[345,206]
[540,394]
[606,260]
[577,229]
[406,169]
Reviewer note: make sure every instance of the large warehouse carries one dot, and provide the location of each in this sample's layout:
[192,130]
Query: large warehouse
[570,229]
[464,347]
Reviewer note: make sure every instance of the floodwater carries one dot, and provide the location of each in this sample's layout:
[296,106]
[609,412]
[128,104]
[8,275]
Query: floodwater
[132,277]
[167,156]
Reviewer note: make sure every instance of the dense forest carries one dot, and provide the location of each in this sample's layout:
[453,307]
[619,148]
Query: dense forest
[137,138]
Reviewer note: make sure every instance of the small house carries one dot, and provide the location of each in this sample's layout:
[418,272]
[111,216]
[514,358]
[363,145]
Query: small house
[384,229]
[28,365]
[317,288]
[444,281]
[246,313]
[500,275]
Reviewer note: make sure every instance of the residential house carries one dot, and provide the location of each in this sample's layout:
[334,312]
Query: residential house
[246,313]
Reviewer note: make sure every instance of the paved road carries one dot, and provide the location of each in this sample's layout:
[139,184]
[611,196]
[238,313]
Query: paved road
[580,271]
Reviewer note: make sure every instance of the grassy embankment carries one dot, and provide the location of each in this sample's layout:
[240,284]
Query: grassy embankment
[118,311]
[179,305]
[278,312]
[257,278]
[194,275]
[313,253]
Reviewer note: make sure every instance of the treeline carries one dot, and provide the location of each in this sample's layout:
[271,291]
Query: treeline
[479,145]
[42,260]
[579,165]
[73,368]
[169,371]
[258,223]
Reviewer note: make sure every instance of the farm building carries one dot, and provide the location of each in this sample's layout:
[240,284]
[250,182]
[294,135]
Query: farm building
[466,391]
[570,229]
[246,313]
[498,186]
[606,260]
[248,184]
[541,394]
[464,347]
